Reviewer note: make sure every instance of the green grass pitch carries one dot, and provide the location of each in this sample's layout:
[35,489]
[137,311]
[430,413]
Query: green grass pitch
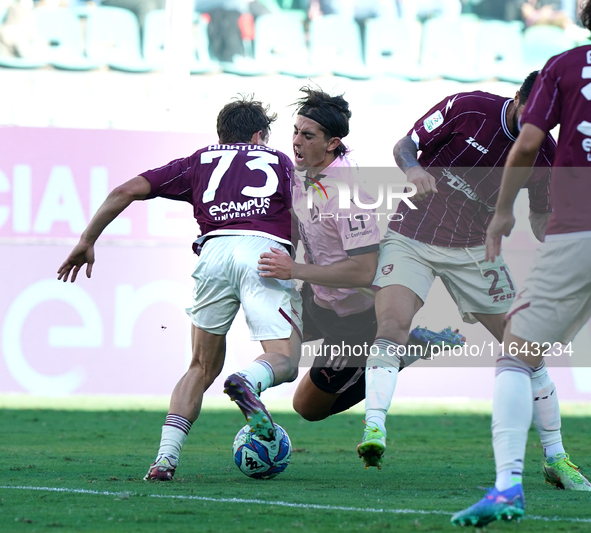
[68,470]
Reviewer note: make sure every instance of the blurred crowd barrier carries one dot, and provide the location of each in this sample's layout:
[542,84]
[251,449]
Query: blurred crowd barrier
[265,37]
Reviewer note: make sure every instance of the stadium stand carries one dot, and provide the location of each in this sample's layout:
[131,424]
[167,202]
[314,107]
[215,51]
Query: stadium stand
[21,44]
[541,42]
[280,45]
[449,49]
[62,29]
[335,47]
[154,38]
[465,49]
[113,39]
[500,49]
[392,47]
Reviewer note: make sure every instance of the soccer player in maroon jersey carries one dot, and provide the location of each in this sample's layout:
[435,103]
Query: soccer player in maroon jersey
[465,140]
[240,190]
[556,300]
[341,249]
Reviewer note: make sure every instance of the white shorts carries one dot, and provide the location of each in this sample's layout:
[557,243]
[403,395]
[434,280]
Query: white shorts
[476,285]
[556,301]
[226,276]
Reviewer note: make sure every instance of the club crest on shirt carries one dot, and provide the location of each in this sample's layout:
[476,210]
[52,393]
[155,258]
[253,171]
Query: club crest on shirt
[433,121]
[387,269]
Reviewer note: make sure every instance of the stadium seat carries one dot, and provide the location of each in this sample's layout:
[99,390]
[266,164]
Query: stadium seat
[541,42]
[392,47]
[335,46]
[37,59]
[449,49]
[500,49]
[63,31]
[113,38]
[280,45]
[154,37]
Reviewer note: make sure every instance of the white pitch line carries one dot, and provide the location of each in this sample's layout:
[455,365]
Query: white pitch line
[273,503]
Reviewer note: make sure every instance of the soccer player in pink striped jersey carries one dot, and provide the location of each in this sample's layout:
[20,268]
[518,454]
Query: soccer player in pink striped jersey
[464,140]
[556,300]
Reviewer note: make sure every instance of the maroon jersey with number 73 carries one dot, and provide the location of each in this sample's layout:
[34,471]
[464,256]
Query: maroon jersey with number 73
[235,189]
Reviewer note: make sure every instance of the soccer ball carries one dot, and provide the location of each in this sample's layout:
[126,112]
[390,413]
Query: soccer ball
[259,458]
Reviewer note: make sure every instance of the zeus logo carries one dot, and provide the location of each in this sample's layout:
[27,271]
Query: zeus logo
[390,191]
[472,142]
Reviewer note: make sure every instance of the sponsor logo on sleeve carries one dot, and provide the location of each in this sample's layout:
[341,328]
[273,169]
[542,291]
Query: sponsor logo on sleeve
[433,121]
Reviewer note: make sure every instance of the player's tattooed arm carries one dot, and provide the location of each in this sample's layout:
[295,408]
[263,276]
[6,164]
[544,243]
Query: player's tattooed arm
[538,223]
[405,155]
[118,199]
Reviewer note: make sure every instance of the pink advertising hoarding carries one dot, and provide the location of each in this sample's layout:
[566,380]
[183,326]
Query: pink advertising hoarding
[124,331]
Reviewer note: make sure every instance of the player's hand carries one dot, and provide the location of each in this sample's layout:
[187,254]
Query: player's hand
[500,225]
[82,254]
[275,264]
[424,182]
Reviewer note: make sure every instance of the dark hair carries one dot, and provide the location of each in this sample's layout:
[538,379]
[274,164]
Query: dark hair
[526,87]
[585,15]
[331,112]
[239,120]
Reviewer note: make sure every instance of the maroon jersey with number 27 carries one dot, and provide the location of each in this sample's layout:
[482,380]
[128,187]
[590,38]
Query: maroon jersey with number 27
[465,141]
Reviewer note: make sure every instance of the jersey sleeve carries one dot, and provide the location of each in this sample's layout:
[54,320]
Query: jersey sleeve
[171,180]
[543,106]
[437,125]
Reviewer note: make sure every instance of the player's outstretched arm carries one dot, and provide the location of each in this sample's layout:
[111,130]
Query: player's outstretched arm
[405,155]
[355,271]
[119,198]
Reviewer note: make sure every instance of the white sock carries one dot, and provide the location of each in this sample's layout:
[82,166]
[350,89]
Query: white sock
[550,452]
[259,374]
[507,478]
[512,417]
[381,374]
[174,434]
[546,410]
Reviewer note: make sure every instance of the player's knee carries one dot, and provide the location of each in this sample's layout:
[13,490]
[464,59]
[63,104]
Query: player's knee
[291,374]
